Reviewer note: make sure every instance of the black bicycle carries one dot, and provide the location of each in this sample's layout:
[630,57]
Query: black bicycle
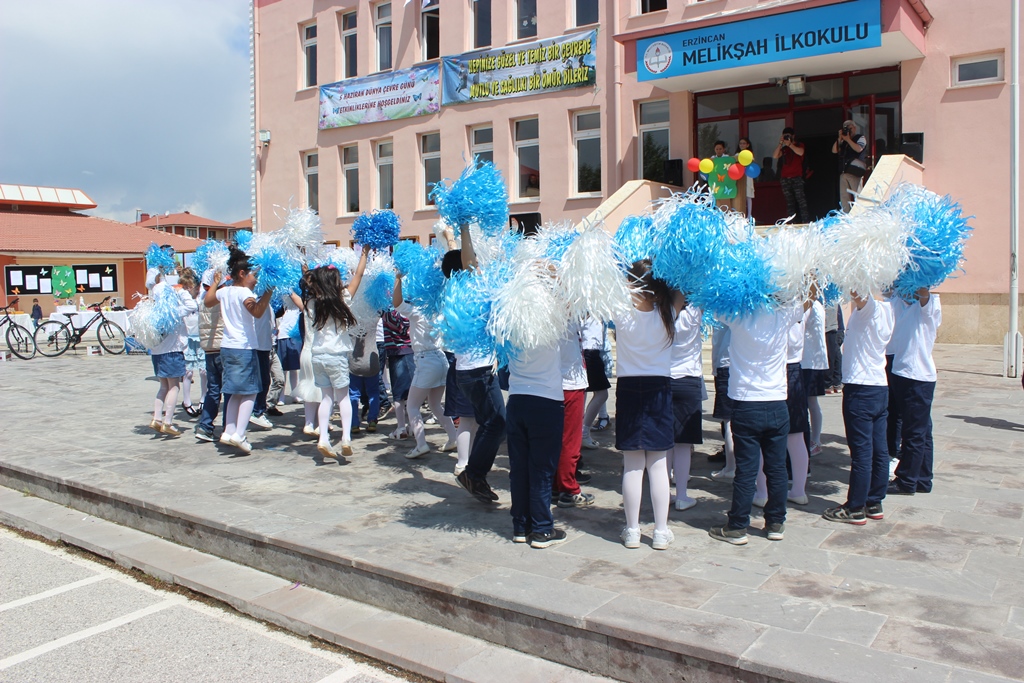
[19,338]
[53,337]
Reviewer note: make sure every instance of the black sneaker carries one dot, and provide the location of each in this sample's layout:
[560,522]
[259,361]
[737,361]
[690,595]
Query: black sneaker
[274,411]
[578,500]
[482,493]
[204,434]
[874,511]
[583,478]
[520,536]
[717,457]
[846,515]
[724,533]
[895,490]
[775,531]
[553,537]
[485,489]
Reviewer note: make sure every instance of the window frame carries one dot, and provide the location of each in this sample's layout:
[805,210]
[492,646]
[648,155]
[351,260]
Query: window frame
[349,70]
[476,148]
[517,9]
[427,202]
[955,63]
[346,167]
[518,145]
[311,172]
[647,128]
[378,25]
[575,14]
[309,70]
[380,164]
[478,44]
[650,11]
[192,232]
[577,136]
[432,8]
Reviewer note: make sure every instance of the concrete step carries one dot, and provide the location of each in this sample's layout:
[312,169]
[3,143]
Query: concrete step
[422,648]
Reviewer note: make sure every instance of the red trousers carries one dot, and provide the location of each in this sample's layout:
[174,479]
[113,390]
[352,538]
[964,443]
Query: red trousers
[572,441]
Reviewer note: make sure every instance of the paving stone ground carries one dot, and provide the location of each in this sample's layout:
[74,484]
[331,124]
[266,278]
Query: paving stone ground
[936,588]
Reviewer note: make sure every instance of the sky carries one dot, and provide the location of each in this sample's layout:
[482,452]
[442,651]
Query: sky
[141,104]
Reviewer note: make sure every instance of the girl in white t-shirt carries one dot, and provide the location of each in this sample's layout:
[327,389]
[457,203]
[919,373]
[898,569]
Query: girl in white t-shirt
[643,401]
[169,358]
[241,379]
[327,307]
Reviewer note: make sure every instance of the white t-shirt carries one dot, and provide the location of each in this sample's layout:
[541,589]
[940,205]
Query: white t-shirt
[420,329]
[757,352]
[593,331]
[643,348]
[177,340]
[687,345]
[333,339]
[265,330]
[536,372]
[380,330]
[574,374]
[192,319]
[913,338]
[867,333]
[815,351]
[795,340]
[720,347]
[288,323]
[472,361]
[239,325]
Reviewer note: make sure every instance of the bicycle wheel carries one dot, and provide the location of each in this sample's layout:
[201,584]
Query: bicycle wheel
[111,337]
[20,341]
[52,338]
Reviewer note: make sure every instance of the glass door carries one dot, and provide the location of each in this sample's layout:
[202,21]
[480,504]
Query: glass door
[769,204]
[862,112]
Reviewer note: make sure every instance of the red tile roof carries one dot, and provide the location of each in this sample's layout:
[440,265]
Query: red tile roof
[187,219]
[25,231]
[243,225]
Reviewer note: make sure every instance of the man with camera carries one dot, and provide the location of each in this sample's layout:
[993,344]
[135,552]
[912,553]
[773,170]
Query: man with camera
[791,174]
[852,148]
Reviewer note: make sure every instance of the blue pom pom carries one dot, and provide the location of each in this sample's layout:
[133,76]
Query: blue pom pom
[378,230]
[708,325]
[831,295]
[558,243]
[465,313]
[380,290]
[634,239]
[423,282]
[275,271]
[166,312]
[478,196]
[201,258]
[243,240]
[689,238]
[936,242]
[741,282]
[160,258]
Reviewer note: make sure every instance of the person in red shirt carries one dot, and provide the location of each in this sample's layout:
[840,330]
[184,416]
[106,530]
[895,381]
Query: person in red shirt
[791,174]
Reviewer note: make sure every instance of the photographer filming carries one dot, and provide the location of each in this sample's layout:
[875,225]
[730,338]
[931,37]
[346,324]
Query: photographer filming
[852,148]
[791,174]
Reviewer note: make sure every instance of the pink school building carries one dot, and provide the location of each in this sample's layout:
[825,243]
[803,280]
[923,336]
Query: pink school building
[593,106]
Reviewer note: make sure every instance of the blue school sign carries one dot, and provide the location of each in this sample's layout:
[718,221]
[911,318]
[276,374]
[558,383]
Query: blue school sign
[842,27]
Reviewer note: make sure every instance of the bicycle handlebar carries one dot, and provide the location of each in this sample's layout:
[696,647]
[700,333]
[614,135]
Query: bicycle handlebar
[12,302]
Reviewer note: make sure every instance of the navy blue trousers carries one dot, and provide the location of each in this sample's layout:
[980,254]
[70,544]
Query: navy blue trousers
[480,387]
[914,398]
[865,412]
[534,447]
[759,429]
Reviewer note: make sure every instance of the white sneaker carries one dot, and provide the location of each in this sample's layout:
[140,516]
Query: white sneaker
[311,431]
[723,475]
[459,469]
[630,538]
[662,539]
[243,445]
[796,500]
[589,443]
[682,504]
[227,439]
[430,420]
[449,446]
[760,502]
[261,421]
[893,464]
[418,451]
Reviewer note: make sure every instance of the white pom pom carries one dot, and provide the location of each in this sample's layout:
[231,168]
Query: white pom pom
[795,255]
[865,253]
[529,311]
[591,278]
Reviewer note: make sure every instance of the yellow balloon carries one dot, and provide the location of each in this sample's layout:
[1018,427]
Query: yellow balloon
[707,166]
[745,157]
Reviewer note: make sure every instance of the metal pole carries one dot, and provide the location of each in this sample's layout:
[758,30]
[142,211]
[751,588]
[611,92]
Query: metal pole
[1012,344]
[253,158]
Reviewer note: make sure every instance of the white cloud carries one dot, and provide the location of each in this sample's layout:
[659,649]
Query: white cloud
[139,104]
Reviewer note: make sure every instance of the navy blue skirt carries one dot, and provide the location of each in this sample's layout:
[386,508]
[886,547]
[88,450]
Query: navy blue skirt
[288,351]
[169,365]
[814,382]
[597,380]
[686,410]
[455,402]
[643,414]
[796,399]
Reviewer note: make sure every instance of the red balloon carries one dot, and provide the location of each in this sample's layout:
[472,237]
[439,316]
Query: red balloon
[693,164]
[735,171]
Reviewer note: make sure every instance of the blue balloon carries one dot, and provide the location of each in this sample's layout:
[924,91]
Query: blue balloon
[753,170]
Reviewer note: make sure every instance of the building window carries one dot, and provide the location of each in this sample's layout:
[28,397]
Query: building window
[526,19]
[350,172]
[385,175]
[586,12]
[309,55]
[349,50]
[311,167]
[647,6]
[653,139]
[430,151]
[528,156]
[192,232]
[482,23]
[586,135]
[481,143]
[430,29]
[978,70]
[382,25]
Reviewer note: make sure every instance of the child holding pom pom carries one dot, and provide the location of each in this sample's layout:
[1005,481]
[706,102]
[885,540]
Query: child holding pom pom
[687,382]
[643,400]
[169,356]
[327,307]
[241,371]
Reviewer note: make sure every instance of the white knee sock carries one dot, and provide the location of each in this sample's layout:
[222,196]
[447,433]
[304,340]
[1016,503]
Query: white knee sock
[798,458]
[186,389]
[324,415]
[434,396]
[309,413]
[657,477]
[633,464]
[245,406]
[680,457]
[464,439]
[815,411]
[171,402]
[416,427]
[345,409]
